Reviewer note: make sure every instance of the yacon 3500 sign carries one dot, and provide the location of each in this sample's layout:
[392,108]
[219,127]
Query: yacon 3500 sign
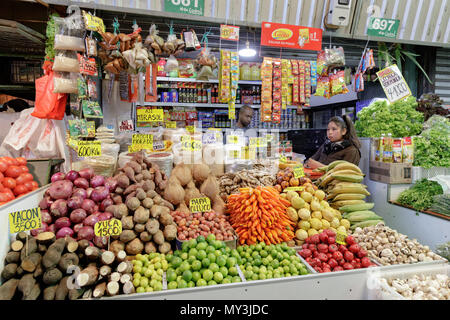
[282,34]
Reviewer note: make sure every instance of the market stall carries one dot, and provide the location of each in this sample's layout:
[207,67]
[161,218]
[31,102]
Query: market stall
[163,195]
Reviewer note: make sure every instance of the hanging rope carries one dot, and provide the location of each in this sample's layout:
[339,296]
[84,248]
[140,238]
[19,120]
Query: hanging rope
[205,37]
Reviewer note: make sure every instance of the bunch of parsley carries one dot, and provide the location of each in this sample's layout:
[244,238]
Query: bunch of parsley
[420,195]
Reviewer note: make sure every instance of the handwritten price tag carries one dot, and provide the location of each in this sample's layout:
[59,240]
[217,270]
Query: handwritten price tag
[25,220]
[258,142]
[89,149]
[299,172]
[144,140]
[340,238]
[294,189]
[200,205]
[107,228]
[126,125]
[191,145]
[150,115]
[171,124]
[232,139]
[283,159]
[393,83]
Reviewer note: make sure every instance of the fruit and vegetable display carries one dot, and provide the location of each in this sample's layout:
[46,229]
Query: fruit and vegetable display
[230,183]
[15,179]
[286,179]
[259,215]
[387,246]
[312,214]
[325,255]
[148,271]
[420,286]
[431,147]
[399,118]
[420,195]
[202,262]
[261,262]
[441,204]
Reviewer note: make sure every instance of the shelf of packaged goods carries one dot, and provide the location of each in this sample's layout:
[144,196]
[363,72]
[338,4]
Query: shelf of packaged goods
[167,79]
[201,105]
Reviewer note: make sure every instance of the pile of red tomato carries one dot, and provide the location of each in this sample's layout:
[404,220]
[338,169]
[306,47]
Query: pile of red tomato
[15,179]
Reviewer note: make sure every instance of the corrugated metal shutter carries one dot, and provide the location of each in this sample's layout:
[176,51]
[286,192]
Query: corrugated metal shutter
[443,75]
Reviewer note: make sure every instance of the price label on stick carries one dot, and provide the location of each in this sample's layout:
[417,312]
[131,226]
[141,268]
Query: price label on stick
[25,220]
[150,115]
[393,83]
[108,228]
[294,189]
[200,205]
[340,238]
[299,172]
[191,145]
[89,149]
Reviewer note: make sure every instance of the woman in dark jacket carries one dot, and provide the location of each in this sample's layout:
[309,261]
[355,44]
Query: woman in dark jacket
[341,144]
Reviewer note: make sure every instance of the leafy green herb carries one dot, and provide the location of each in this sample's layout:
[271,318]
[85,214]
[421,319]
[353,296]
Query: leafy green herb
[420,196]
[400,119]
[49,42]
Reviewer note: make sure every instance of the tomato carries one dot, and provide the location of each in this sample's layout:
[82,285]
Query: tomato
[13,171]
[338,255]
[9,183]
[354,248]
[21,161]
[35,185]
[350,240]
[4,197]
[2,188]
[1,176]
[333,263]
[348,256]
[24,177]
[20,189]
[3,166]
[365,262]
[9,193]
[24,169]
[29,185]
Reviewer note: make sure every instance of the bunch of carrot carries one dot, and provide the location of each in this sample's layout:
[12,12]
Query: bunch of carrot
[260,215]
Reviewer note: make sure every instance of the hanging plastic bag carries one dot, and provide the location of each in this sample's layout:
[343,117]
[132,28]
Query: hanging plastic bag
[171,65]
[323,87]
[66,61]
[337,83]
[65,82]
[188,37]
[69,31]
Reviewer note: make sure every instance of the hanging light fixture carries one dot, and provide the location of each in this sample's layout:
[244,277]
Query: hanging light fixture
[247,52]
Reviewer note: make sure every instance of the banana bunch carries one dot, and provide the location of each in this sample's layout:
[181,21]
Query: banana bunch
[342,183]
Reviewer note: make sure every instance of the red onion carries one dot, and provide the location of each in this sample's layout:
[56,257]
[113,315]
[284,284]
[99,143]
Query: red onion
[63,232]
[59,208]
[105,216]
[81,193]
[51,228]
[43,228]
[87,173]
[58,176]
[45,203]
[78,215]
[97,181]
[105,204]
[46,217]
[61,189]
[86,233]
[72,175]
[74,203]
[111,184]
[99,194]
[101,242]
[77,227]
[90,221]
[88,205]
[81,183]
[89,192]
[62,222]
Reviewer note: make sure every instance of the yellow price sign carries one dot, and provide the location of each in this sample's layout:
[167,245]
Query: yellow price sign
[190,129]
[258,142]
[340,238]
[200,205]
[234,154]
[191,145]
[294,189]
[25,220]
[233,139]
[171,124]
[108,228]
[89,149]
[150,115]
[135,148]
[283,159]
[93,23]
[299,172]
[144,140]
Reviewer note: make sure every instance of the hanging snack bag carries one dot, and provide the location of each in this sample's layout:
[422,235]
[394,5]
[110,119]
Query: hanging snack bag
[266,98]
[313,73]
[91,47]
[225,76]
[151,94]
[337,81]
[123,86]
[301,81]
[188,38]
[66,61]
[91,109]
[307,84]
[186,68]
[82,87]
[296,86]
[92,89]
[171,65]
[335,57]
[161,66]
[321,64]
[88,66]
[323,87]
[154,41]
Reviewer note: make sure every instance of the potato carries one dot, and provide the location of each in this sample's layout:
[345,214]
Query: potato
[139,227]
[140,194]
[147,203]
[133,203]
[150,247]
[158,238]
[127,236]
[170,232]
[166,219]
[152,226]
[151,194]
[165,247]
[134,247]
[145,236]
[127,223]
[141,215]
[156,210]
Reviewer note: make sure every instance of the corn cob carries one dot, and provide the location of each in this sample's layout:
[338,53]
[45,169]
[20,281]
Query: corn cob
[357,207]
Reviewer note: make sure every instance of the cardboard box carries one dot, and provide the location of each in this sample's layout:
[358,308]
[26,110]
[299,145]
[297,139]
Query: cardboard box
[390,173]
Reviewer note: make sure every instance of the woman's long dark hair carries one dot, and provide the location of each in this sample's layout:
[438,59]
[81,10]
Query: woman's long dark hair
[346,122]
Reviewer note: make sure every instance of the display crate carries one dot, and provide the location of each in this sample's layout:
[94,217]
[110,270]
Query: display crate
[390,173]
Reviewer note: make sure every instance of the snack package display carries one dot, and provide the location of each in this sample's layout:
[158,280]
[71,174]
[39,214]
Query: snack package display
[277,90]
[323,87]
[91,47]
[92,89]
[337,83]
[307,84]
[88,66]
[172,64]
[82,87]
[335,57]
[186,68]
[205,63]
[66,61]
[91,109]
[285,67]
[65,82]
[296,86]
[225,76]
[78,128]
[321,64]
[301,78]
[313,73]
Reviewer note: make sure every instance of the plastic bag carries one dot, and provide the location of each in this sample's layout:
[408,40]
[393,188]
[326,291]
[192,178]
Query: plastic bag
[337,83]
[66,61]
[323,87]
[48,105]
[335,57]
[69,33]
[154,41]
[171,65]
[186,68]
[65,82]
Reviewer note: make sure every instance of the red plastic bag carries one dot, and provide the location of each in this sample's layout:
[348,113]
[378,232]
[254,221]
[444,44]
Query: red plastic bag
[48,105]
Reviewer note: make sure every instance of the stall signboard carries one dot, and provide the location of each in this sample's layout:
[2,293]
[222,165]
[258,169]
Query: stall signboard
[229,32]
[150,115]
[299,172]
[192,7]
[25,220]
[126,126]
[393,83]
[380,27]
[200,205]
[106,228]
[89,149]
[290,36]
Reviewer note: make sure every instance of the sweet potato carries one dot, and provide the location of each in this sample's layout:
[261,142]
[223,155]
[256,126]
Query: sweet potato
[61,289]
[139,227]
[12,257]
[133,203]
[50,293]
[140,194]
[30,263]
[152,226]
[123,182]
[8,289]
[151,194]
[135,166]
[67,260]
[158,238]
[9,271]
[134,247]
[127,236]
[141,215]
[167,204]
[52,276]
[129,173]
[53,254]
[170,232]
[150,247]
[139,177]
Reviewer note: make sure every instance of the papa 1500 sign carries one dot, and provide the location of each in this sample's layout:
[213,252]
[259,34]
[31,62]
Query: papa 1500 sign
[290,36]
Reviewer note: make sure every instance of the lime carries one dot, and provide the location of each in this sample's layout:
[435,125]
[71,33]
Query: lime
[292,268]
[187,275]
[185,266]
[277,275]
[212,257]
[263,253]
[136,282]
[286,269]
[206,262]
[172,285]
[210,249]
[295,273]
[221,261]
[171,275]
[201,283]
[200,239]
[158,286]
[255,269]
[207,275]
[214,267]
[230,262]
[148,273]
[212,283]
[287,274]
[257,262]
[217,244]
[191,259]
[137,269]
[226,280]
[177,253]
[192,243]
[138,263]
[191,284]
[193,252]
[149,289]
[202,246]
[258,247]
[196,276]
[262,276]
[169,257]
[275,263]
[265,261]
[184,256]
[233,271]
[224,271]
[255,277]
[143,282]
[249,268]
[285,262]
[218,253]
[182,284]
[303,271]
[185,246]
[196,265]
[210,238]
[201,254]
[236,279]
[218,277]
[140,290]
[248,274]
